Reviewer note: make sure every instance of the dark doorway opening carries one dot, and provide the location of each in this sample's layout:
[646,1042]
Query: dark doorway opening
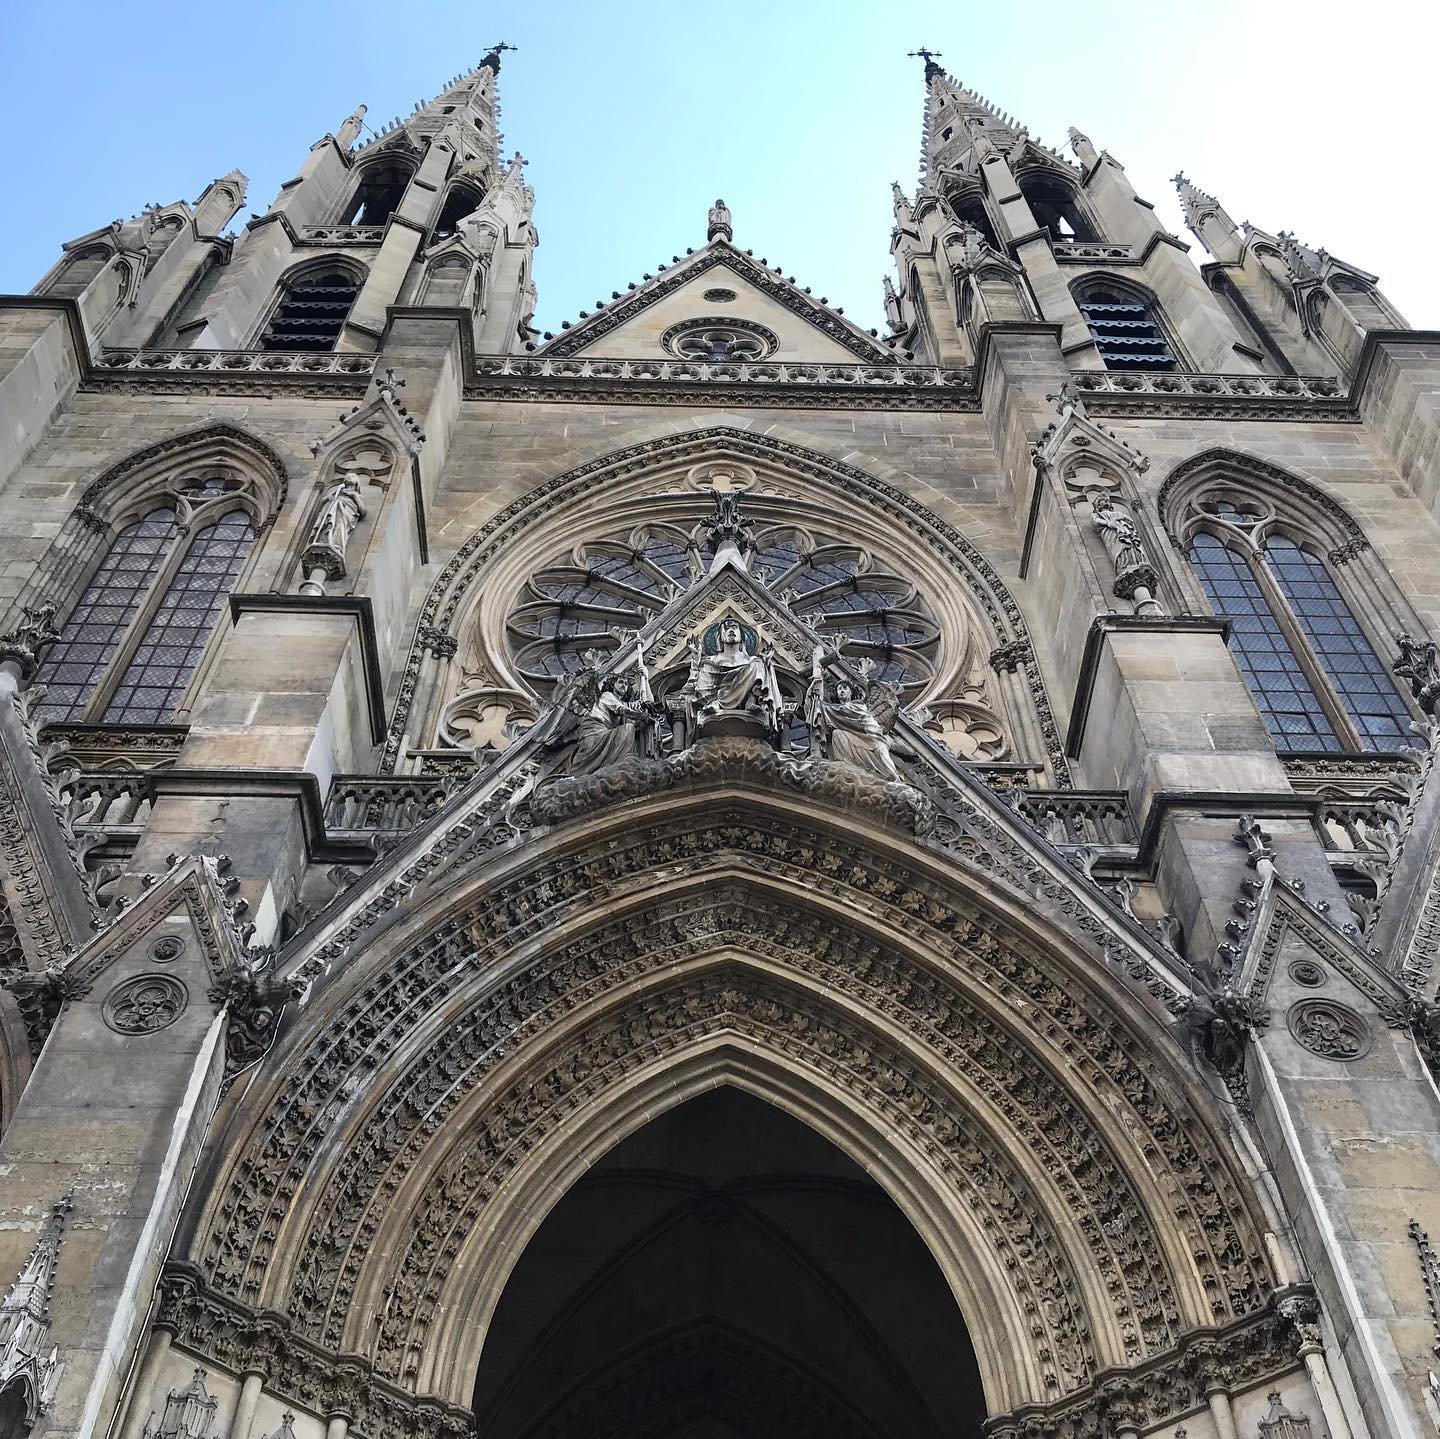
[727,1273]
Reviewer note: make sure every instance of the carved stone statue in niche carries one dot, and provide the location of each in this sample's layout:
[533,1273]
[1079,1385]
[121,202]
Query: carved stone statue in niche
[1135,577]
[851,728]
[732,686]
[341,509]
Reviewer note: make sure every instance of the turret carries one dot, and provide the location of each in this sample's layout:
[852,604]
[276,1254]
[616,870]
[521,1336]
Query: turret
[1310,311]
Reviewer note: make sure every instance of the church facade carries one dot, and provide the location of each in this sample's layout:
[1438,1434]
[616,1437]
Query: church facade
[717,872]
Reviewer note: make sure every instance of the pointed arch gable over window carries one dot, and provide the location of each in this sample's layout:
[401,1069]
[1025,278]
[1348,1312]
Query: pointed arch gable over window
[149,555]
[1308,602]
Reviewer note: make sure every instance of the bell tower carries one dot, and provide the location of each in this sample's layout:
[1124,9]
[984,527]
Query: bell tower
[420,212]
[1085,251]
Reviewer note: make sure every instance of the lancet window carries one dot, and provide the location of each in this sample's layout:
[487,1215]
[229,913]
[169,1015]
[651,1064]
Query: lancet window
[378,195]
[1057,207]
[1313,672]
[312,310]
[969,209]
[128,649]
[1125,325]
[615,585]
[460,201]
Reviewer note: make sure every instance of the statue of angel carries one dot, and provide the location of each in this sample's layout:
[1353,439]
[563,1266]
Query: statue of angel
[850,728]
[615,724]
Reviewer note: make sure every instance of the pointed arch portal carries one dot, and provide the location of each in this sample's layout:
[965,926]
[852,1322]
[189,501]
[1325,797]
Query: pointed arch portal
[934,1064]
[725,1263]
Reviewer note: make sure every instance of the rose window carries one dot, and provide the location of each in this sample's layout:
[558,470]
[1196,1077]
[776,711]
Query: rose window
[720,341]
[613,586]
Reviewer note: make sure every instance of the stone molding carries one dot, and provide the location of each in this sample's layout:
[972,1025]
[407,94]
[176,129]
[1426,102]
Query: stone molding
[235,1337]
[330,1259]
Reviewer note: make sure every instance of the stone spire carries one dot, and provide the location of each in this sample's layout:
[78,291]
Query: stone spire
[1206,219]
[25,1316]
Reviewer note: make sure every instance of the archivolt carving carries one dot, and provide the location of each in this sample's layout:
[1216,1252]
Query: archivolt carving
[439,1134]
[968,597]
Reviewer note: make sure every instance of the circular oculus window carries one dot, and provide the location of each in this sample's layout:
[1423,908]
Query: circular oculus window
[720,341]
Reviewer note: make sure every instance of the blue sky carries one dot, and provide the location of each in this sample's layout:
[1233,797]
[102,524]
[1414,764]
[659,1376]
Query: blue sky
[635,115]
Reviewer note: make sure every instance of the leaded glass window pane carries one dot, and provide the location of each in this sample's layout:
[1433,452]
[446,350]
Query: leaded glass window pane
[1271,669]
[1367,691]
[98,623]
[166,656]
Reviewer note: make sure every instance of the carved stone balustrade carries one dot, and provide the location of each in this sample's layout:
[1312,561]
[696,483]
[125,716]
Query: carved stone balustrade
[365,805]
[1361,826]
[887,378]
[343,234]
[1078,250]
[236,362]
[1077,817]
[116,801]
[1178,393]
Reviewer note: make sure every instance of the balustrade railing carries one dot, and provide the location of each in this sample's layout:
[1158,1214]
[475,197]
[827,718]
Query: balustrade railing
[114,801]
[523,367]
[1090,250]
[383,804]
[344,234]
[1076,817]
[1176,382]
[236,362]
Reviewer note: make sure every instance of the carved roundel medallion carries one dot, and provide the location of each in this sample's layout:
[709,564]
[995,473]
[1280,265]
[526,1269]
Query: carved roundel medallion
[167,949]
[145,1004]
[1308,973]
[1331,1030]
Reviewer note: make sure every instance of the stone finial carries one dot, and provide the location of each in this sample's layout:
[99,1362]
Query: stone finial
[350,128]
[720,226]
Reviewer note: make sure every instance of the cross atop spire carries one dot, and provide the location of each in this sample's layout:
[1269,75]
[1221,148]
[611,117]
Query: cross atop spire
[929,57]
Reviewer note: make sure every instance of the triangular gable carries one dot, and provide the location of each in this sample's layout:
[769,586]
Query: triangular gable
[800,328]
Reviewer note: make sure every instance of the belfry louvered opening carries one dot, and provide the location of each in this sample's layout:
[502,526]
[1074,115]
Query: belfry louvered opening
[312,311]
[1126,329]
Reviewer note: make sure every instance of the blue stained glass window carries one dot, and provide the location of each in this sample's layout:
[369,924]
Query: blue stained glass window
[155,679]
[98,623]
[1277,681]
[1351,665]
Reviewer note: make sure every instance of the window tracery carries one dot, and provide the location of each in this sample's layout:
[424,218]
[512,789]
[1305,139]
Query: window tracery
[1312,670]
[720,341]
[129,647]
[619,583]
